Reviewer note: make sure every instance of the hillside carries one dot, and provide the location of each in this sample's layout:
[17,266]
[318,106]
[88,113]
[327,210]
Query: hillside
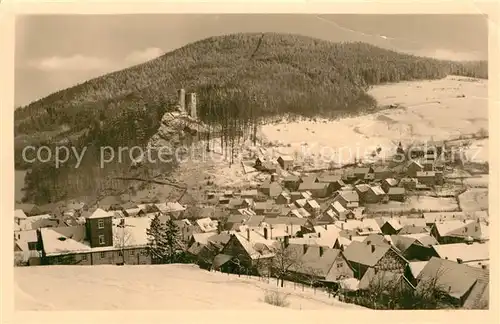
[160,287]
[242,78]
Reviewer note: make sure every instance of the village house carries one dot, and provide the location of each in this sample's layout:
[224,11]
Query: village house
[415,247]
[299,213]
[457,231]
[340,212]
[348,199]
[334,182]
[289,225]
[260,207]
[245,252]
[361,172]
[397,194]
[382,172]
[286,162]
[271,188]
[312,207]
[427,178]
[311,178]
[362,189]
[394,281]
[364,255]
[408,183]
[29,209]
[283,198]
[249,194]
[319,264]
[412,168]
[475,254]
[206,225]
[389,183]
[173,209]
[374,195]
[317,189]
[356,227]
[466,287]
[26,248]
[205,246]
[291,182]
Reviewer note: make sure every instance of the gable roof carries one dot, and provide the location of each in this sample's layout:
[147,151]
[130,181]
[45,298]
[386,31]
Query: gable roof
[396,191]
[362,187]
[452,278]
[424,239]
[55,243]
[100,213]
[312,263]
[206,224]
[360,252]
[257,247]
[379,279]
[286,158]
[463,251]
[391,181]
[19,213]
[312,186]
[349,195]
[377,190]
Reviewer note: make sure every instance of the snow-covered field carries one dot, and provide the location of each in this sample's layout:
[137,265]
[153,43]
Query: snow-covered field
[147,287]
[429,110]
[474,199]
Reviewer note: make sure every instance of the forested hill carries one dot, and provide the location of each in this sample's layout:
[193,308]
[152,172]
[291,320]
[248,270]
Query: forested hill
[239,77]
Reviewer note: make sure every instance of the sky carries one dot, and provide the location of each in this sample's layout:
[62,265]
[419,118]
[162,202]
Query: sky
[54,52]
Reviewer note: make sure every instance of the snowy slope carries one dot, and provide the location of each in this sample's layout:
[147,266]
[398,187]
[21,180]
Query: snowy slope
[147,287]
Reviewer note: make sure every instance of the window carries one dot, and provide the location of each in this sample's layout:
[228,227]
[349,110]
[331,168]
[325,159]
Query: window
[84,257]
[131,252]
[32,246]
[103,254]
[101,240]
[100,224]
[340,265]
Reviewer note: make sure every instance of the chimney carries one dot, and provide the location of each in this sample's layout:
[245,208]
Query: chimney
[320,251]
[248,234]
[459,261]
[373,248]
[182,99]
[265,233]
[484,266]
[305,248]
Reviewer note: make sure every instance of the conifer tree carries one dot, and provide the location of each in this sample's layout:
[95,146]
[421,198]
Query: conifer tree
[157,248]
[172,240]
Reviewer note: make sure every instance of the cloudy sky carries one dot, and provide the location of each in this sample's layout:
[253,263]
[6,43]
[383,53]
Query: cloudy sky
[56,52]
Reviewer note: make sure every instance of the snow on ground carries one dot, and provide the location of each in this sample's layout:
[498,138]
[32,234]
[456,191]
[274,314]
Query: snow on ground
[474,199]
[148,287]
[415,203]
[481,181]
[429,110]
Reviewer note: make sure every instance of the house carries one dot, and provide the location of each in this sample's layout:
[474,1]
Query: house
[356,227]
[347,198]
[339,210]
[299,213]
[397,194]
[364,255]
[29,209]
[172,209]
[289,225]
[206,225]
[360,173]
[388,183]
[286,162]
[283,198]
[134,212]
[41,221]
[414,247]
[391,226]
[204,247]
[434,217]
[260,207]
[234,221]
[312,207]
[412,168]
[26,248]
[427,178]
[380,280]
[334,182]
[317,189]
[382,172]
[312,178]
[318,263]
[374,195]
[362,189]
[268,167]
[469,254]
[292,182]
[254,221]
[413,270]
[413,229]
[21,222]
[408,183]
[245,252]
[271,189]
[99,241]
[457,231]
[327,217]
[249,194]
[466,287]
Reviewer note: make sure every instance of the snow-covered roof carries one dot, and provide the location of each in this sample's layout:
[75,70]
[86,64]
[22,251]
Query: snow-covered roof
[100,213]
[55,243]
[19,213]
[314,204]
[466,252]
[206,224]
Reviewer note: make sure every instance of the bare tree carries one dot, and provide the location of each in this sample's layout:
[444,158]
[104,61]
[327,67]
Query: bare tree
[122,238]
[285,259]
[312,276]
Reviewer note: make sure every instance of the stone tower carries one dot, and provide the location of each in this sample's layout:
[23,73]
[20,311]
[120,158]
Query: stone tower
[191,105]
[182,99]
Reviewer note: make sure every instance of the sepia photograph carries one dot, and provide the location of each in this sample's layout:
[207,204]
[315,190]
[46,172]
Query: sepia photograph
[251,162]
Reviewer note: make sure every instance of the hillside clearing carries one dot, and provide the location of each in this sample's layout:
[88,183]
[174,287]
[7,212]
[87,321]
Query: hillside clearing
[414,203]
[474,199]
[147,287]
